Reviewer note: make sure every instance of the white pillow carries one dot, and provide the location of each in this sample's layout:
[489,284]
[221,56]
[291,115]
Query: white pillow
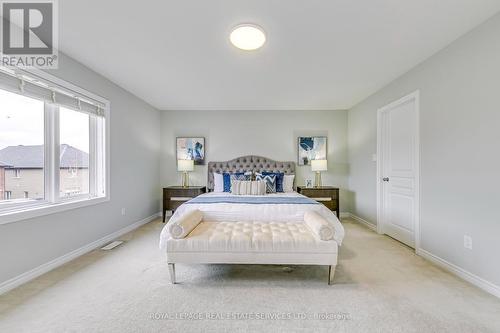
[319,225]
[185,224]
[288,183]
[218,182]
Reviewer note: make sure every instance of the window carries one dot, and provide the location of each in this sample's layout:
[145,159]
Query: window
[52,145]
[21,145]
[74,153]
[72,172]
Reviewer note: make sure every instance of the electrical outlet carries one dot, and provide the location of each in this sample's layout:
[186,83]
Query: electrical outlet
[123,211]
[468,242]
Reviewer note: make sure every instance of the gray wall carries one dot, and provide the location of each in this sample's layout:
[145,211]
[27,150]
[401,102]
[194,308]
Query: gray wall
[273,134]
[135,147]
[460,160]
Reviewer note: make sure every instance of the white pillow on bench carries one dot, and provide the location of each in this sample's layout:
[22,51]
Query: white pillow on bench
[185,224]
[319,225]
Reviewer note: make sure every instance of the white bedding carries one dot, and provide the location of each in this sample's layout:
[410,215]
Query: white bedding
[231,212]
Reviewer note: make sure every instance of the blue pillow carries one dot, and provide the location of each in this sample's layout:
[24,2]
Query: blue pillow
[227,177]
[270,181]
[280,176]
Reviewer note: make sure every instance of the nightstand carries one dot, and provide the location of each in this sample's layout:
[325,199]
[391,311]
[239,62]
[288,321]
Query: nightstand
[327,195]
[174,196]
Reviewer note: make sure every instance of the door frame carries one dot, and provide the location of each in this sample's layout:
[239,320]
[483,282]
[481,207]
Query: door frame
[416,97]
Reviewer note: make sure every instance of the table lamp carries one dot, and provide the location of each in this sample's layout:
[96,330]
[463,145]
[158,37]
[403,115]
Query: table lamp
[185,166]
[318,166]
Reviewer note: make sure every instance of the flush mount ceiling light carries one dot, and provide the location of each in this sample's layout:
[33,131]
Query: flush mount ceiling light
[248,37]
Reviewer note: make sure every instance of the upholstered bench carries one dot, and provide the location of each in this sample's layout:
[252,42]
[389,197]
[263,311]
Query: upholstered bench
[252,243]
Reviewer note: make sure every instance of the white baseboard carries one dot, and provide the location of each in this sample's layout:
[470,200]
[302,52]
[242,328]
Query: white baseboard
[460,272]
[363,221]
[344,215]
[454,269]
[44,268]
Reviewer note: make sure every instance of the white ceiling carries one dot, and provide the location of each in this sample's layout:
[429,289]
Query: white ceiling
[326,54]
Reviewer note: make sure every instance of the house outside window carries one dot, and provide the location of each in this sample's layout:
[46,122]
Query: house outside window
[2,180]
[54,151]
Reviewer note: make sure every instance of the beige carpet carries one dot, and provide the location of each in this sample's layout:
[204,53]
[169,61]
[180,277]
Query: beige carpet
[380,286]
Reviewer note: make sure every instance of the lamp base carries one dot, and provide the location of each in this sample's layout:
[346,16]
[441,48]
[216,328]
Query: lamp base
[317,180]
[185,179]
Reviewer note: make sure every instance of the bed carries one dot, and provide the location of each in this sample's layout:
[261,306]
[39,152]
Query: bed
[244,229]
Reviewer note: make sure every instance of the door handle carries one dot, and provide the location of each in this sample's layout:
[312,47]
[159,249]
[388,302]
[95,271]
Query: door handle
[385,179]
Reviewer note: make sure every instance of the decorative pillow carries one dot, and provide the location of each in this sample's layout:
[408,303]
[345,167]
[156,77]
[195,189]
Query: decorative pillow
[258,187]
[288,183]
[227,177]
[218,182]
[270,182]
[248,187]
[279,179]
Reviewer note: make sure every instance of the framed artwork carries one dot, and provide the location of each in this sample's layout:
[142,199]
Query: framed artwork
[191,149]
[311,148]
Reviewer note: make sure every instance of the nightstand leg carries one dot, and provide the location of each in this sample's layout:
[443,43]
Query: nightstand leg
[171,270]
[331,273]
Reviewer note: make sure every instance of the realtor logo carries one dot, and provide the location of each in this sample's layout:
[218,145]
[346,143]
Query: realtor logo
[29,33]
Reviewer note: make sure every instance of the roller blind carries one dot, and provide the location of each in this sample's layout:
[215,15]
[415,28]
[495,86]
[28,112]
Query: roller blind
[31,85]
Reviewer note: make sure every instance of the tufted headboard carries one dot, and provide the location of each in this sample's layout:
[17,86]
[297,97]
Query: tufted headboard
[248,163]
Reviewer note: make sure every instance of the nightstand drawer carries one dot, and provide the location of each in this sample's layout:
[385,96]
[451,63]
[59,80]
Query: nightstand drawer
[172,193]
[175,204]
[319,193]
[322,199]
[331,204]
[326,195]
[174,196]
[184,199]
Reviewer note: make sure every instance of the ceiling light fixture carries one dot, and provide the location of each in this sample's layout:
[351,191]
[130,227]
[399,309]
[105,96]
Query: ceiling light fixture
[247,37]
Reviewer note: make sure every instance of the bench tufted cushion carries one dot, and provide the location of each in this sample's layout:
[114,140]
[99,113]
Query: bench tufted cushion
[248,163]
[274,237]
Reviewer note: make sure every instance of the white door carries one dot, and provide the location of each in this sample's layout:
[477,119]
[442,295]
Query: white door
[398,169]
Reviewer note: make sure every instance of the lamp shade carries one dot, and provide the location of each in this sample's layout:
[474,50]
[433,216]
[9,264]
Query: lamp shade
[319,165]
[185,165]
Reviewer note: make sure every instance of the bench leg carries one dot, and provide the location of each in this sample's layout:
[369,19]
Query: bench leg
[171,270]
[331,273]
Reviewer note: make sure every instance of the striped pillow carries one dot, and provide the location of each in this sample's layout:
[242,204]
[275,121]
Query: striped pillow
[270,182]
[248,187]
[228,177]
[279,179]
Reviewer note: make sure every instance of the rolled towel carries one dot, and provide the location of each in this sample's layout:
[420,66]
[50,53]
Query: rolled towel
[319,225]
[185,224]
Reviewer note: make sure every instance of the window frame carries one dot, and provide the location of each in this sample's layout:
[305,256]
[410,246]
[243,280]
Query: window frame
[99,161]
